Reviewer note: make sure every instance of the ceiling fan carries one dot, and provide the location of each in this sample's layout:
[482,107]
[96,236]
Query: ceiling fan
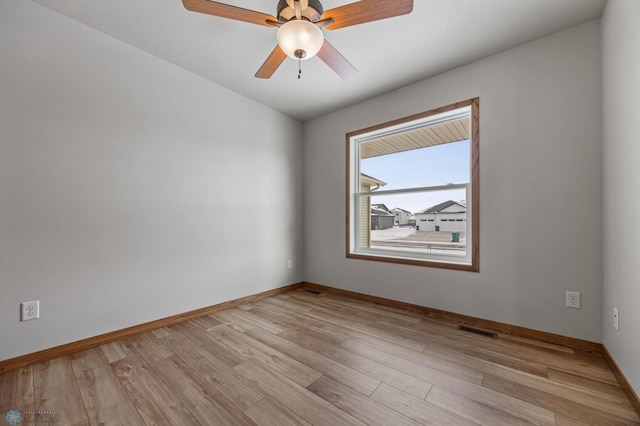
[300,24]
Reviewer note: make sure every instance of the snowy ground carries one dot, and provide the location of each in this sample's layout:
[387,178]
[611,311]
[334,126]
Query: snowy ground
[408,239]
[406,233]
[392,233]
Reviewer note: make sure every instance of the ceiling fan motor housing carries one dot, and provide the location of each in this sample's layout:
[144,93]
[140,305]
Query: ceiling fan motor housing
[312,13]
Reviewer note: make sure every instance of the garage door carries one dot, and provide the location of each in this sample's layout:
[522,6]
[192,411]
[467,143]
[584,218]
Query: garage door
[453,225]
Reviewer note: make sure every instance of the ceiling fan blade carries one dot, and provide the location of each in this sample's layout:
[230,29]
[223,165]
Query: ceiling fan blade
[272,63]
[336,61]
[228,11]
[366,11]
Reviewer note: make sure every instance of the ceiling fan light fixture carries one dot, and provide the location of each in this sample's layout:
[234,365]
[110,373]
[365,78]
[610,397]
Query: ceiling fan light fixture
[300,39]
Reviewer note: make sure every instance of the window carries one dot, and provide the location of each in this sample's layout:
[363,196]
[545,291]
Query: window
[427,165]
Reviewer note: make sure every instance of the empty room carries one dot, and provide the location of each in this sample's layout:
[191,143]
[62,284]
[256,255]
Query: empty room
[319,212]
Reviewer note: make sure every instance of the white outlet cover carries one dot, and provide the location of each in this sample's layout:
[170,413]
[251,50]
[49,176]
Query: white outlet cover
[616,319]
[29,310]
[573,300]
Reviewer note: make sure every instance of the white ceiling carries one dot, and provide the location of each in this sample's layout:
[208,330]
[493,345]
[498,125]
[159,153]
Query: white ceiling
[437,36]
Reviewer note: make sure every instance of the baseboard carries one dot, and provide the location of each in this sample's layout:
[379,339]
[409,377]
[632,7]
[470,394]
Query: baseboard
[70,348]
[514,330]
[570,342]
[624,383]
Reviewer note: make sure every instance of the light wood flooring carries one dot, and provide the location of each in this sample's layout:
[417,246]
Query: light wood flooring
[300,358]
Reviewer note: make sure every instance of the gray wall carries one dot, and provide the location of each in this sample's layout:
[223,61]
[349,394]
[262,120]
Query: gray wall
[621,169]
[118,173]
[541,186]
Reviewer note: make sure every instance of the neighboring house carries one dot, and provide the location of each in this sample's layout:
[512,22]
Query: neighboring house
[367,184]
[381,217]
[402,216]
[448,216]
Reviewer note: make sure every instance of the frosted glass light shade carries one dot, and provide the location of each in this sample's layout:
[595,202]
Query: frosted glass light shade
[300,35]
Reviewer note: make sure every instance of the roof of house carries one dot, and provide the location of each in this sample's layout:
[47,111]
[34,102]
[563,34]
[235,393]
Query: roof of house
[402,210]
[370,181]
[439,207]
[381,206]
[377,210]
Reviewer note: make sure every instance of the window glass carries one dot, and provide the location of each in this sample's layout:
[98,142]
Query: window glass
[413,189]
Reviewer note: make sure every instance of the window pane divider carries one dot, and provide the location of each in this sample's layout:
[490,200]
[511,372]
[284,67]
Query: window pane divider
[411,190]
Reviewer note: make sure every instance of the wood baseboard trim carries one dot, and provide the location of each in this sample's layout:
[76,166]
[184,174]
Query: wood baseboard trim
[513,330]
[624,383]
[91,342]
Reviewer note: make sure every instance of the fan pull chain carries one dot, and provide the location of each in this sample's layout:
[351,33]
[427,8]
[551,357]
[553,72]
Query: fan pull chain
[299,67]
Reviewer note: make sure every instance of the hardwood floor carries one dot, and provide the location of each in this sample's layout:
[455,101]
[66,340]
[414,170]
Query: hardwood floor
[306,359]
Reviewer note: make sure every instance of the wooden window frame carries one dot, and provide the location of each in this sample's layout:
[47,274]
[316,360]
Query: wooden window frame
[474,265]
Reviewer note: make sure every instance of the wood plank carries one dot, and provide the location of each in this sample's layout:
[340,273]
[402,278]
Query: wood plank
[401,380]
[233,321]
[238,390]
[420,359]
[564,403]
[468,389]
[249,317]
[115,351]
[465,319]
[368,329]
[472,410]
[330,334]
[558,388]
[567,421]
[161,332]
[364,357]
[56,391]
[517,340]
[92,342]
[486,361]
[298,399]
[433,372]
[281,306]
[153,400]
[17,390]
[284,321]
[436,331]
[358,405]
[284,301]
[270,412]
[243,344]
[605,388]
[577,364]
[496,364]
[422,411]
[149,346]
[383,312]
[339,372]
[246,306]
[573,393]
[352,311]
[104,400]
[208,405]
[208,321]
[203,338]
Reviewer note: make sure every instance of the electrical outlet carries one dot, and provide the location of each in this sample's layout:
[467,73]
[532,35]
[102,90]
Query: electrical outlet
[289,264]
[573,300]
[616,319]
[29,310]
